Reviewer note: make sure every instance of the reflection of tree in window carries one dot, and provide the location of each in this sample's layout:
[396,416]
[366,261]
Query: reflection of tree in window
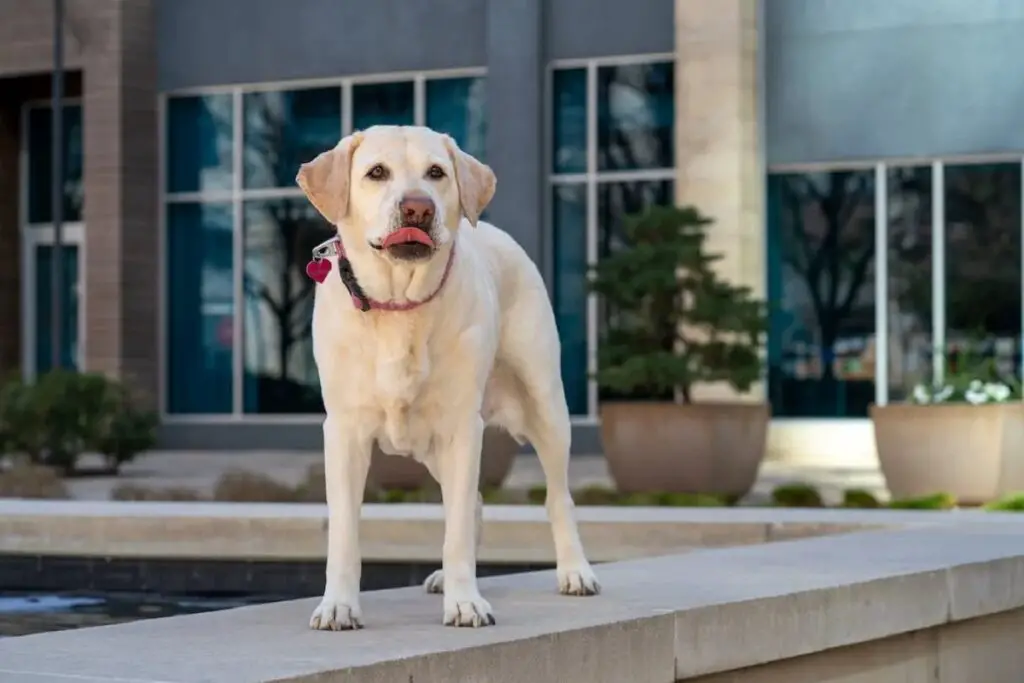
[829,245]
[635,116]
[910,278]
[983,256]
[279,236]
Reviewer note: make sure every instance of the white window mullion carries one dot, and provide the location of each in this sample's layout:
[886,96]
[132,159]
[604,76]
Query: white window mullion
[238,260]
[881,286]
[592,236]
[938,272]
[419,101]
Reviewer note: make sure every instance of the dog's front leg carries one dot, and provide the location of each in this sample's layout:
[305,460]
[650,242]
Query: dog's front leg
[346,463]
[459,465]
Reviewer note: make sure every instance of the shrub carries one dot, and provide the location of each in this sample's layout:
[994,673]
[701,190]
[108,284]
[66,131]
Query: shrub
[66,413]
[1013,502]
[797,496]
[859,498]
[671,321]
[136,492]
[241,486]
[935,501]
[32,481]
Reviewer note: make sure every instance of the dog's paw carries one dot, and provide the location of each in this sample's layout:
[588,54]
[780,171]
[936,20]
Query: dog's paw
[336,615]
[467,609]
[578,580]
[435,582]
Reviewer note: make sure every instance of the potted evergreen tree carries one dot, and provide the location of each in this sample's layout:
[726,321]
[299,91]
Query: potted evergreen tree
[672,324]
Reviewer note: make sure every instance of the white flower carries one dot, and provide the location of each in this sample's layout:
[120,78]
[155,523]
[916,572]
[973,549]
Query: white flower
[975,398]
[921,394]
[943,393]
[997,392]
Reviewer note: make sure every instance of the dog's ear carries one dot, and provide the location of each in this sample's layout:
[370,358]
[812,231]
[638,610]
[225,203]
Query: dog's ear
[475,179]
[325,179]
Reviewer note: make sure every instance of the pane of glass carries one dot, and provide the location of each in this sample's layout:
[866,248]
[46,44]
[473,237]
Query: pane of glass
[285,129]
[40,167]
[569,121]
[280,373]
[570,289]
[199,134]
[910,279]
[69,307]
[616,201]
[375,104]
[983,272]
[821,256]
[458,107]
[200,308]
[635,116]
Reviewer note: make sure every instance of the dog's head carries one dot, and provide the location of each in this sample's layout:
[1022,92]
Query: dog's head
[402,190]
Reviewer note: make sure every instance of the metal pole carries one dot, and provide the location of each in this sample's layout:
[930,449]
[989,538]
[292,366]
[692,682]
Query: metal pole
[57,190]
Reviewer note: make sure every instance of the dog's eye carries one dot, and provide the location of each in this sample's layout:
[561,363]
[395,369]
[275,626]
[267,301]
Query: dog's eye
[378,172]
[435,172]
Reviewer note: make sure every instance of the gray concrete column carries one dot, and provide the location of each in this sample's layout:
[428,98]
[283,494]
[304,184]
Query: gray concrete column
[515,120]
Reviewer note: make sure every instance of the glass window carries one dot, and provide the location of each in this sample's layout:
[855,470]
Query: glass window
[40,166]
[375,104]
[635,116]
[283,129]
[200,308]
[569,125]
[70,351]
[458,107]
[983,263]
[570,290]
[821,343]
[616,201]
[199,134]
[910,279]
[280,373]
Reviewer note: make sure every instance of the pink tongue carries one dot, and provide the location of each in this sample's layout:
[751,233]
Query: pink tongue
[406,235]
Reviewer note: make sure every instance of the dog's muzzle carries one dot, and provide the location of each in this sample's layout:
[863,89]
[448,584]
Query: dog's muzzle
[412,240]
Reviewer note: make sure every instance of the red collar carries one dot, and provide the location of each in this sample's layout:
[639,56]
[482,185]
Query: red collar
[319,268]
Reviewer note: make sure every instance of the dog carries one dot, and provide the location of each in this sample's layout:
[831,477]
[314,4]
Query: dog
[436,324]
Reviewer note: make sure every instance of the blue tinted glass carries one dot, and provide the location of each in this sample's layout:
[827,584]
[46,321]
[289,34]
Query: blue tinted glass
[570,289]
[200,308]
[375,104]
[40,167]
[635,116]
[821,256]
[616,201]
[458,107]
[569,121]
[199,134]
[286,129]
[280,373]
[69,308]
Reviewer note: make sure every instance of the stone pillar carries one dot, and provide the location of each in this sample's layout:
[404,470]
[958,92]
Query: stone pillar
[121,231]
[719,159]
[515,120]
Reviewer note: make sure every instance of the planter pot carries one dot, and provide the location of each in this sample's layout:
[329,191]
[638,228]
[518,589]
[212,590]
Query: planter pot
[713,448]
[975,453]
[399,472]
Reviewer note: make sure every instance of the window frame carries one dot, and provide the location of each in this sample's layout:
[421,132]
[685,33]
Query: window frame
[237,196]
[591,178]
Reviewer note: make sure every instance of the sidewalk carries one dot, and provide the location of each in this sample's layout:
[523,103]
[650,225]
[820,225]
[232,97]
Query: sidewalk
[200,470]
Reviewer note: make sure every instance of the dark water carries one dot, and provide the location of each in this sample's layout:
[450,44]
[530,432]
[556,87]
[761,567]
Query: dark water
[26,613]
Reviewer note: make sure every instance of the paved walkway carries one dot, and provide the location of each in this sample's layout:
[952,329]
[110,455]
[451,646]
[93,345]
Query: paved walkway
[200,470]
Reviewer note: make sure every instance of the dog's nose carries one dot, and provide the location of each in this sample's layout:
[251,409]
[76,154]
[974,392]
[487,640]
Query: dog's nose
[416,209]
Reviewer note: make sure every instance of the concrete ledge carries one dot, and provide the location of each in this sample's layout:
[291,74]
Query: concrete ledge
[918,597]
[413,533]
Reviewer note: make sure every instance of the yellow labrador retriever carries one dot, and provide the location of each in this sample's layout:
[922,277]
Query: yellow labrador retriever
[429,324]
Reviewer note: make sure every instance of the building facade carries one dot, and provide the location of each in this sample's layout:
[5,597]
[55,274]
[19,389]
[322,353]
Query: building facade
[861,159]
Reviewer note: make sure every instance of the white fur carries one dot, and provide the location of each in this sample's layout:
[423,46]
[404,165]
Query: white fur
[424,382]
